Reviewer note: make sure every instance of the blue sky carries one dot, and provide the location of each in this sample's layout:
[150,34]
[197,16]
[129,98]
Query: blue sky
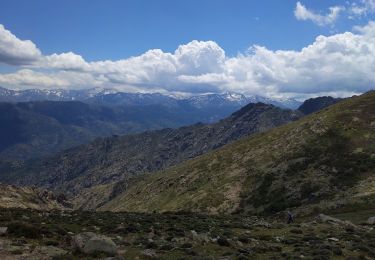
[97,31]
[117,29]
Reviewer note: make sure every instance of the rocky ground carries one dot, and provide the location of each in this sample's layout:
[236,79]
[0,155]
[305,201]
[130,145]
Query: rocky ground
[30,234]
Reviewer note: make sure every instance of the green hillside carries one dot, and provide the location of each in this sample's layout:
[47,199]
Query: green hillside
[325,161]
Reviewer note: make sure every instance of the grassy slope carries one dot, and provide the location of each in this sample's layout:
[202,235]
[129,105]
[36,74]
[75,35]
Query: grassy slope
[322,162]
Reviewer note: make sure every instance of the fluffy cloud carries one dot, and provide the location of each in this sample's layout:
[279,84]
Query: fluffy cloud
[64,61]
[363,7]
[304,14]
[27,77]
[340,65]
[14,51]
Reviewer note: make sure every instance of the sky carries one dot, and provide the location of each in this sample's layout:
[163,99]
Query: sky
[272,48]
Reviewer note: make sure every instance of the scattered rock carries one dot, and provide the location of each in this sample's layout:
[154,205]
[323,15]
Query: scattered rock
[3,231]
[335,221]
[333,239]
[203,238]
[149,253]
[90,243]
[51,251]
[371,221]
[262,223]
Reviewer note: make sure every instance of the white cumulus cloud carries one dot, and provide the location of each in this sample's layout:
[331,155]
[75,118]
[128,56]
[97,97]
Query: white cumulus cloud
[14,51]
[302,13]
[362,7]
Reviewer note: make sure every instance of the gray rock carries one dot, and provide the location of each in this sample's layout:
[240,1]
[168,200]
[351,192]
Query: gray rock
[89,243]
[51,251]
[149,253]
[325,218]
[203,238]
[335,221]
[371,221]
[3,231]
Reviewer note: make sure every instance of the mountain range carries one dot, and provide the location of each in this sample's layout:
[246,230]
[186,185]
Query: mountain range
[37,122]
[110,161]
[40,128]
[112,97]
[95,173]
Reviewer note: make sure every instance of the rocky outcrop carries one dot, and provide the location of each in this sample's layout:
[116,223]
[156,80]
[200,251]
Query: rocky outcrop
[91,243]
[32,198]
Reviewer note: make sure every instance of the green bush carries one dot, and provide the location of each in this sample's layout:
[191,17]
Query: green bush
[22,229]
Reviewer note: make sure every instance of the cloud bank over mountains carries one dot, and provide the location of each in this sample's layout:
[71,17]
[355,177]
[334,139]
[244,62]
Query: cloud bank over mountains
[340,64]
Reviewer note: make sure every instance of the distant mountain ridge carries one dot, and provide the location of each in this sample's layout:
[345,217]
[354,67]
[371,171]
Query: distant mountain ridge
[38,122]
[8,95]
[111,97]
[39,128]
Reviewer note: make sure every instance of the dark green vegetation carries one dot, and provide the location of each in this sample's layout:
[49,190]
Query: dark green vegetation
[324,161]
[185,236]
[111,161]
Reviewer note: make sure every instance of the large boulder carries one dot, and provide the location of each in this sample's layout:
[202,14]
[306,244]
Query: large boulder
[90,243]
[3,231]
[325,218]
[338,222]
[371,221]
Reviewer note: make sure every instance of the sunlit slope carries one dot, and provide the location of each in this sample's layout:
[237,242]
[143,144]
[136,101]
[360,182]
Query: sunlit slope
[321,162]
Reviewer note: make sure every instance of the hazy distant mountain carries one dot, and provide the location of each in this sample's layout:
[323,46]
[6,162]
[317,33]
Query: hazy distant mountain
[33,129]
[40,122]
[7,95]
[111,97]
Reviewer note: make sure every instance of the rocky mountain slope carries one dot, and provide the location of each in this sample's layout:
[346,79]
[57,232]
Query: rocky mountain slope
[322,162]
[316,104]
[30,198]
[106,161]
